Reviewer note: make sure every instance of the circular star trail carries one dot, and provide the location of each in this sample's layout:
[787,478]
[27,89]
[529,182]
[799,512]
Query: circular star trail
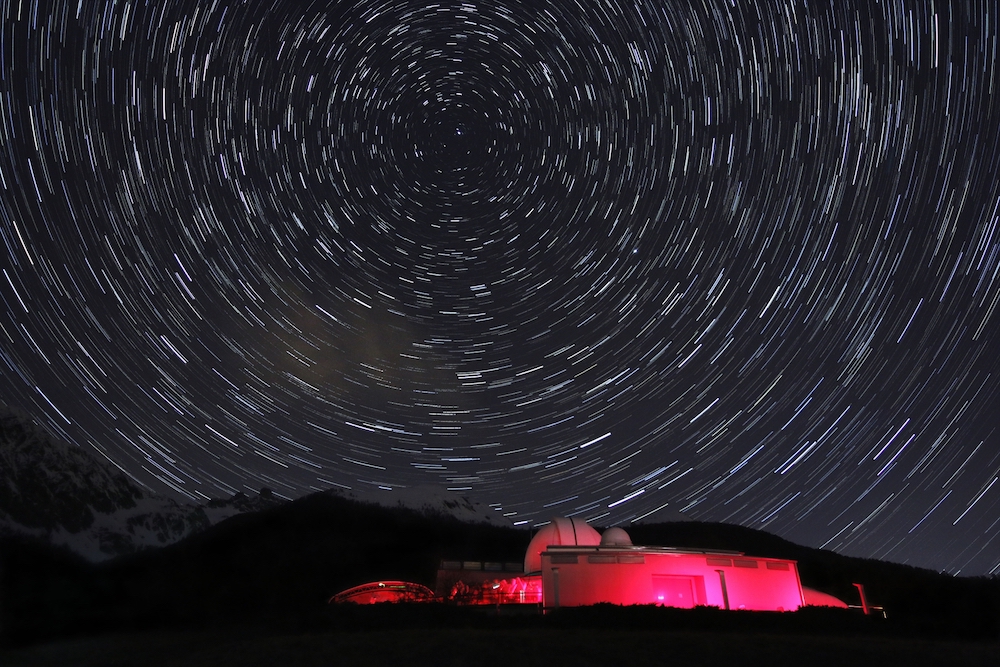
[600,259]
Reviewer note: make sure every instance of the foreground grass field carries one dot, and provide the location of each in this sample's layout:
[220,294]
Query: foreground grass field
[485,648]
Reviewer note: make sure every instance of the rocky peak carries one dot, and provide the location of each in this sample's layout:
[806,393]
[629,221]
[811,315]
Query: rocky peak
[48,484]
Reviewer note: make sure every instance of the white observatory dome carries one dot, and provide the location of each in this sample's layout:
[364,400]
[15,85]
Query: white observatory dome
[560,532]
[615,537]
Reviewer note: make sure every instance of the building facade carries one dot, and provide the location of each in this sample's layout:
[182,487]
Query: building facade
[625,575]
[569,564]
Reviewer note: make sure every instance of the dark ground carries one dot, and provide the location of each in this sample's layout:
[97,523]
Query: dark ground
[503,647]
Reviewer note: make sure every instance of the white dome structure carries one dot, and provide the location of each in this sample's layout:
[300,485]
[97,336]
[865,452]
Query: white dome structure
[615,537]
[560,532]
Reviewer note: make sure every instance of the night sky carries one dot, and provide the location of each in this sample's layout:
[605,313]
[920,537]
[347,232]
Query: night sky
[612,260]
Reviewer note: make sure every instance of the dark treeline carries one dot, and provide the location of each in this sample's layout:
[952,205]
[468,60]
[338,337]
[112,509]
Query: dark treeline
[276,569]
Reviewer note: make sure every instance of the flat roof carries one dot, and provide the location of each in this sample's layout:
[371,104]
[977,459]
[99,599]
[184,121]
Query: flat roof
[655,550]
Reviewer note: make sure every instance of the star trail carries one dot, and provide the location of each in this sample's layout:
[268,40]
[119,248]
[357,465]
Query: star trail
[603,259]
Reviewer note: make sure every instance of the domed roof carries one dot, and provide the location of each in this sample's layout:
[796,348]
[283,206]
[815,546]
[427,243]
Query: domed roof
[561,532]
[615,537]
[385,591]
[814,598]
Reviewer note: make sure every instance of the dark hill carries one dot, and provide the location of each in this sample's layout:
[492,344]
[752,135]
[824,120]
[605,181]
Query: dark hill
[297,556]
[276,564]
[278,567]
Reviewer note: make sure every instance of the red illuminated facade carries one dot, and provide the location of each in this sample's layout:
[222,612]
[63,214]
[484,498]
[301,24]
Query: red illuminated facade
[518,590]
[574,576]
[569,564]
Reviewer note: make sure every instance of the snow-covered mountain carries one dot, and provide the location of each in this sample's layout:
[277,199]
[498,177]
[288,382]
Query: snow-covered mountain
[70,497]
[430,500]
[46,484]
[67,496]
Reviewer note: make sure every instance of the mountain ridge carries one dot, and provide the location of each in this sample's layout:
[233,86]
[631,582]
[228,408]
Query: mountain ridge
[62,494]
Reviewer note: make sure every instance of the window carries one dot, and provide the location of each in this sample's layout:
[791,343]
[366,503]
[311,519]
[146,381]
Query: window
[632,559]
[601,558]
[563,559]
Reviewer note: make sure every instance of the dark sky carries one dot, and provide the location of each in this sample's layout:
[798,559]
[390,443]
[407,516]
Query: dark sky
[612,260]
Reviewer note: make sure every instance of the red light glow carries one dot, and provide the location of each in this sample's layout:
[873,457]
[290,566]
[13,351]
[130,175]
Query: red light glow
[573,577]
[518,590]
[385,591]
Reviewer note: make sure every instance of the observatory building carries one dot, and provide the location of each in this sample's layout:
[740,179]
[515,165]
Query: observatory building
[592,568]
[569,564]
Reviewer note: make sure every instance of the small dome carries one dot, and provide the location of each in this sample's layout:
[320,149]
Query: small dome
[560,532]
[615,537]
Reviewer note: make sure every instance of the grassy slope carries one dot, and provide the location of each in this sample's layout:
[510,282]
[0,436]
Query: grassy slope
[500,648]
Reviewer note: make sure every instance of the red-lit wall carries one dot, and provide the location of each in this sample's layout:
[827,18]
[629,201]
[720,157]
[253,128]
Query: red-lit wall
[573,577]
